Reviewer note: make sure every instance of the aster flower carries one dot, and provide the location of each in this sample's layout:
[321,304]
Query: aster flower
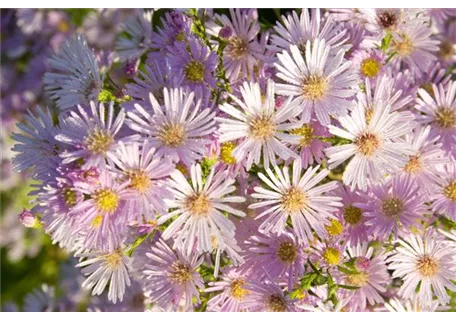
[145,173]
[280,256]
[90,136]
[310,145]
[376,147]
[101,216]
[355,229]
[76,77]
[104,267]
[243,51]
[171,279]
[178,128]
[260,125]
[175,28]
[307,206]
[383,20]
[447,47]
[232,292]
[413,47]
[396,305]
[427,263]
[267,296]
[196,61]
[369,63]
[37,148]
[199,207]
[440,112]
[444,196]
[138,31]
[428,155]
[319,82]
[308,26]
[394,207]
[371,277]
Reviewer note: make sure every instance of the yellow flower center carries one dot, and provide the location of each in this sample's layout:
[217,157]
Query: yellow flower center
[446,50]
[445,117]
[180,37]
[392,207]
[139,180]
[359,280]
[180,273]
[62,26]
[70,197]
[194,71]
[226,153]
[287,252]
[277,303]
[106,200]
[262,128]
[172,135]
[335,228]
[237,291]
[427,266]
[237,48]
[294,200]
[96,222]
[306,133]
[353,215]
[314,87]
[331,256]
[367,143]
[450,191]
[99,141]
[199,205]
[113,260]
[413,165]
[370,67]
[405,47]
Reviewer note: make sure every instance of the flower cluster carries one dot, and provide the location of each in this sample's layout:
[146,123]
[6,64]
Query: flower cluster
[207,161]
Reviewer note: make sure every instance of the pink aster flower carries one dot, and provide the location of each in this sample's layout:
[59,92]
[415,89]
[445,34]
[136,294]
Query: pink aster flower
[199,208]
[267,296]
[372,277]
[145,172]
[394,207]
[298,198]
[369,63]
[376,146]
[177,128]
[259,124]
[309,26]
[90,136]
[439,110]
[427,263]
[444,196]
[319,82]
[281,256]
[171,279]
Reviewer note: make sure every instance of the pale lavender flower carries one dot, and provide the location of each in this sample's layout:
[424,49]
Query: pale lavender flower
[369,63]
[138,31]
[372,276]
[177,128]
[439,111]
[104,268]
[297,198]
[376,146]
[145,172]
[171,279]
[394,207]
[309,26]
[412,305]
[76,77]
[198,206]
[281,256]
[319,82]
[267,296]
[175,28]
[232,292]
[90,136]
[444,196]
[425,262]
[260,124]
[196,61]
